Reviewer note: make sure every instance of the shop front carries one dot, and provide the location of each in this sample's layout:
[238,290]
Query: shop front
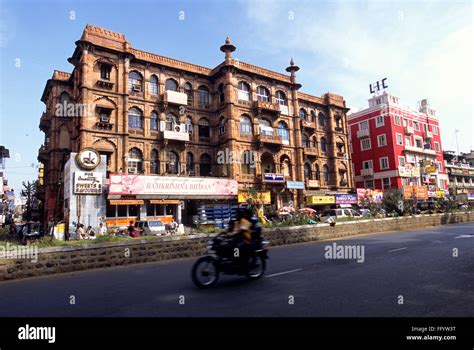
[186,200]
[320,202]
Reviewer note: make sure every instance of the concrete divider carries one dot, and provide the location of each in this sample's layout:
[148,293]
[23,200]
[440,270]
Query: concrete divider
[68,259]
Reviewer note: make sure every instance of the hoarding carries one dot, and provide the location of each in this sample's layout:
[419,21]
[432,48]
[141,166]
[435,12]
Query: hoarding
[171,185]
[258,197]
[298,185]
[346,198]
[87,182]
[320,200]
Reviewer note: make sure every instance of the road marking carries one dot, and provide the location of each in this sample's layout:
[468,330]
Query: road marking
[396,250]
[464,236]
[283,273]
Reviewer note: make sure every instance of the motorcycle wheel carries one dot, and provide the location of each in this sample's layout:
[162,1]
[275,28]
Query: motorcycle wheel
[205,272]
[257,267]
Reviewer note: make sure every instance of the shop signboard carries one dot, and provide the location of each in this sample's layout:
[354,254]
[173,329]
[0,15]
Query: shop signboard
[87,182]
[312,200]
[176,135]
[258,197]
[171,185]
[342,198]
[272,177]
[439,194]
[313,183]
[297,185]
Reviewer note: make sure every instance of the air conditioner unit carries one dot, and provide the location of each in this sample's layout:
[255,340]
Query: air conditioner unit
[162,125]
[132,170]
[104,118]
[137,88]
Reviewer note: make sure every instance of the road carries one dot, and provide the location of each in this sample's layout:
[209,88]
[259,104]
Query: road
[410,273]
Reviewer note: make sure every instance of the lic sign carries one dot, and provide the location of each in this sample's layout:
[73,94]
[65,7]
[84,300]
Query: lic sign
[378,85]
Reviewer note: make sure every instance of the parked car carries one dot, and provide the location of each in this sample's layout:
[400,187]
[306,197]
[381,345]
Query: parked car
[151,228]
[341,212]
[426,207]
[365,212]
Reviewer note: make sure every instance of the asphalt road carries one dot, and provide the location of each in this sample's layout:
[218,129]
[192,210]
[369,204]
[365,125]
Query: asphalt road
[409,273]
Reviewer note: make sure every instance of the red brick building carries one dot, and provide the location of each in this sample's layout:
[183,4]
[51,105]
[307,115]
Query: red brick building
[394,146]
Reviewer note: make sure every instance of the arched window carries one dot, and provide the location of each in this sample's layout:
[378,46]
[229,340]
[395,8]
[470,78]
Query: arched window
[134,81]
[222,126]
[243,91]
[172,167]
[188,90]
[64,137]
[314,142]
[305,141]
[64,99]
[307,171]
[281,98]
[154,121]
[303,115]
[313,116]
[204,129]
[321,120]
[171,85]
[135,120]
[190,164]
[171,122]
[326,174]
[267,163]
[153,85]
[285,167]
[205,165]
[135,161]
[316,172]
[323,145]
[154,162]
[283,131]
[265,127]
[245,125]
[263,94]
[189,125]
[221,93]
[203,96]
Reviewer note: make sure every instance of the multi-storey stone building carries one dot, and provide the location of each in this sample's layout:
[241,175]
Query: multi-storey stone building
[156,116]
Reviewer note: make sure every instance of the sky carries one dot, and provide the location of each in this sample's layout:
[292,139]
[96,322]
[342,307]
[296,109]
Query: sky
[423,48]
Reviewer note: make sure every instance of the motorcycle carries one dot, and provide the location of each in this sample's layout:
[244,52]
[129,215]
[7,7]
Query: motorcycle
[220,259]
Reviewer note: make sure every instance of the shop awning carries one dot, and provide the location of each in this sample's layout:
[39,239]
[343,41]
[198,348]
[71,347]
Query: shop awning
[164,201]
[126,202]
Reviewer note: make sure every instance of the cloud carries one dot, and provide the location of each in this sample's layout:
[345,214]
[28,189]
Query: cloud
[425,50]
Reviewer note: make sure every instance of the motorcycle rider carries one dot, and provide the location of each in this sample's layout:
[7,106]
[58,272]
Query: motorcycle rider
[241,236]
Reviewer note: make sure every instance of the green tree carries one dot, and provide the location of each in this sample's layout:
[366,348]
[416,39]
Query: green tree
[29,193]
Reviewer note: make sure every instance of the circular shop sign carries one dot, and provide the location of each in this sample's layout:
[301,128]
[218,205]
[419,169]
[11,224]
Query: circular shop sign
[88,158]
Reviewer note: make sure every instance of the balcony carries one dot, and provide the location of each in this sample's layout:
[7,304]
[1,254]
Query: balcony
[284,110]
[175,97]
[419,150]
[363,133]
[269,139]
[267,106]
[45,122]
[310,151]
[339,129]
[43,154]
[103,84]
[104,125]
[175,135]
[409,130]
[340,154]
[428,135]
[367,172]
[308,125]
[313,184]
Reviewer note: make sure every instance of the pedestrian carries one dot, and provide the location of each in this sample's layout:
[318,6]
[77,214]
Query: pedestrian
[80,232]
[90,234]
[102,229]
[133,231]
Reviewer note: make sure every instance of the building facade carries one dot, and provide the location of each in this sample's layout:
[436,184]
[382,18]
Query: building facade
[153,116]
[394,146]
[460,169]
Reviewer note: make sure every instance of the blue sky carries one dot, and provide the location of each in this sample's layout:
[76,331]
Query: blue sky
[424,48]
